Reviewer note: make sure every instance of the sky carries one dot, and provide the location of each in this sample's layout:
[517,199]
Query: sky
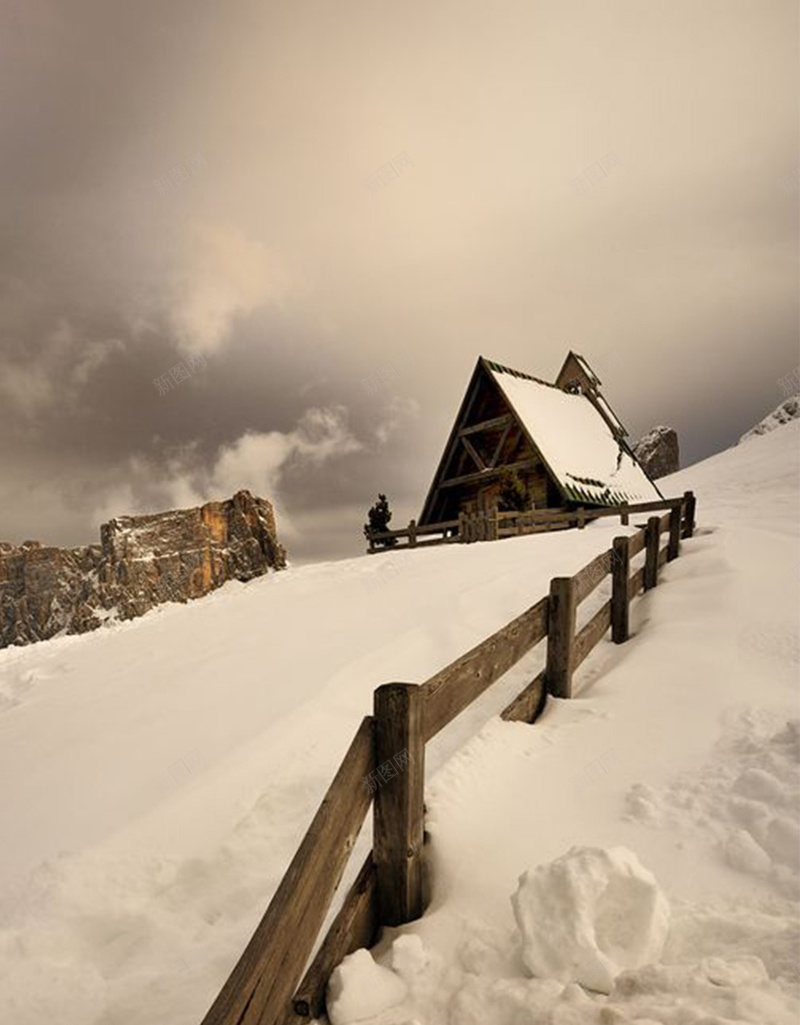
[318,215]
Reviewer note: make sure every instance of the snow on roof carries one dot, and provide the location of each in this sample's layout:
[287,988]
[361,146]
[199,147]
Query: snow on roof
[574,441]
[610,413]
[587,369]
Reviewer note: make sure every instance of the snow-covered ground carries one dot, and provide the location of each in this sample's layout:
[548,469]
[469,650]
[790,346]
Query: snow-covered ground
[156,777]
[788,410]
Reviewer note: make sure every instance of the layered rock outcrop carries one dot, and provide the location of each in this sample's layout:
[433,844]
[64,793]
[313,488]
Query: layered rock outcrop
[657,452]
[141,562]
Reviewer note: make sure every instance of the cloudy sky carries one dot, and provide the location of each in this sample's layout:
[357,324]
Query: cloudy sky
[327,210]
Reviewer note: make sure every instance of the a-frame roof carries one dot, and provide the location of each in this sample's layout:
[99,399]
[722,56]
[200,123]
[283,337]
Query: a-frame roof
[587,463]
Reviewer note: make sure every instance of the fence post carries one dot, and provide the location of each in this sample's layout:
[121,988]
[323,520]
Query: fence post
[689,502]
[620,605]
[561,636]
[624,517]
[652,537]
[412,533]
[581,518]
[398,815]
[674,546]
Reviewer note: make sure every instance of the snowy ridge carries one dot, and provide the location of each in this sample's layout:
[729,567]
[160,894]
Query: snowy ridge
[787,411]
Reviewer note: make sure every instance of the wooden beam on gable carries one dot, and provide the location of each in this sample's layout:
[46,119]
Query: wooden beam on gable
[486,425]
[486,474]
[474,453]
[500,444]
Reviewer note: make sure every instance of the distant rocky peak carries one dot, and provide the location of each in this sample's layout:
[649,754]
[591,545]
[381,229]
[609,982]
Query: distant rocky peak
[657,452]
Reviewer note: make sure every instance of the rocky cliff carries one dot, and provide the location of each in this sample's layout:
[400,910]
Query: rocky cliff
[141,562]
[657,452]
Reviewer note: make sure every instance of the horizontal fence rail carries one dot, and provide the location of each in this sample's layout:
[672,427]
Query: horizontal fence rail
[384,767]
[493,524]
[456,686]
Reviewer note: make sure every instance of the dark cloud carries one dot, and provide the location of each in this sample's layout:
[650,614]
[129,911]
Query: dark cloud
[358,187]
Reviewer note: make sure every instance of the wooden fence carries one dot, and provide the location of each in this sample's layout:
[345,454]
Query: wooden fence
[492,524]
[385,767]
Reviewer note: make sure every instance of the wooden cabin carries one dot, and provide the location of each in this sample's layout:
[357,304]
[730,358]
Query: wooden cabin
[562,439]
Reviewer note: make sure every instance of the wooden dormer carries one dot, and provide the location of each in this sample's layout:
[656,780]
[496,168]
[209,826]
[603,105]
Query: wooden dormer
[577,377]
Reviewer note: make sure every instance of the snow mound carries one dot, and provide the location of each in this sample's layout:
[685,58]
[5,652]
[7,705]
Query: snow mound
[783,414]
[590,914]
[359,989]
[484,986]
[746,801]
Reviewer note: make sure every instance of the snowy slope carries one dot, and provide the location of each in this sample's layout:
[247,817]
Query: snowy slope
[156,778]
[677,748]
[787,411]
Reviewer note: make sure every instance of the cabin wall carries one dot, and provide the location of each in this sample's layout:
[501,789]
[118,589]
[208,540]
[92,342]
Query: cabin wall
[482,497]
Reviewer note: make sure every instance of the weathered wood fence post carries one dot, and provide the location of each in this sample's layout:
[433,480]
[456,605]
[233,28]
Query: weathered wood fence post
[398,816]
[674,546]
[652,537]
[493,525]
[561,617]
[412,533]
[620,603]
[624,517]
[689,503]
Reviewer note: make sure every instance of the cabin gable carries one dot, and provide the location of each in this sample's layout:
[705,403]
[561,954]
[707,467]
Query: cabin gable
[486,438]
[563,440]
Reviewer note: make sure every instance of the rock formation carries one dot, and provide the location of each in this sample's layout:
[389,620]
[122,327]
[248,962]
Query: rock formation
[141,562]
[657,452]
